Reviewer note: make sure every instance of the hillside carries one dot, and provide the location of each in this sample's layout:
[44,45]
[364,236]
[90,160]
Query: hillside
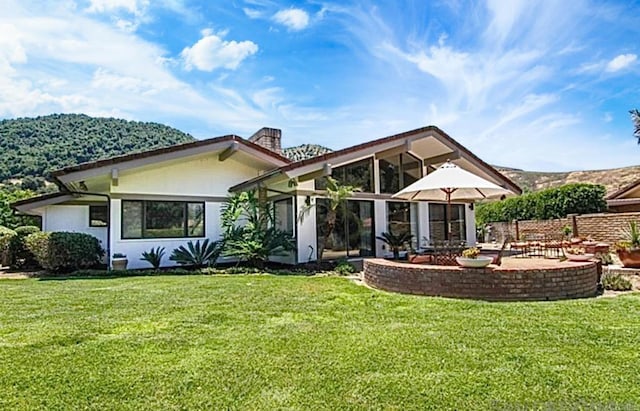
[36,146]
[305,151]
[612,179]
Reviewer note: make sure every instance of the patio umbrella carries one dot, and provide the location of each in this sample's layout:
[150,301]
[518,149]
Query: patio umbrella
[451,183]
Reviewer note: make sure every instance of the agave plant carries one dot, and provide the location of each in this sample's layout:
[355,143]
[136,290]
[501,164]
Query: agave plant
[196,254]
[395,241]
[632,235]
[153,257]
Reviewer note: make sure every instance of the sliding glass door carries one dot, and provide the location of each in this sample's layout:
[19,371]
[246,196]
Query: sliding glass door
[353,231]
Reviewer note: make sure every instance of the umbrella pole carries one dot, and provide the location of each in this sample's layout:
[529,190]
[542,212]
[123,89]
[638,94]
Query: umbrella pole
[449,216]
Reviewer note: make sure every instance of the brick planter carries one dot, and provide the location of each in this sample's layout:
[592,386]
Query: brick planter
[565,280]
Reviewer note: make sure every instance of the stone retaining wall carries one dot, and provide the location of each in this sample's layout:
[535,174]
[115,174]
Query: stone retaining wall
[568,280]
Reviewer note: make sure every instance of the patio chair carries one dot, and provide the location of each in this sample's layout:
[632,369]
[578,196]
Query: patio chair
[445,252]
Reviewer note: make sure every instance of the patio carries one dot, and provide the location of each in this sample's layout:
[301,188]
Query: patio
[517,279]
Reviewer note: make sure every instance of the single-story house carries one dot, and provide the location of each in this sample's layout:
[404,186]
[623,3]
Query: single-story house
[626,199]
[169,196]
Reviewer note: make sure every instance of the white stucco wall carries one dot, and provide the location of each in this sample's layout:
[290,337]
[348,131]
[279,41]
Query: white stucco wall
[470,215]
[72,218]
[306,233]
[200,176]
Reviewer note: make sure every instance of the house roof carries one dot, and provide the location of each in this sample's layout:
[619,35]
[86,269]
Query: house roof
[166,150]
[624,190]
[361,147]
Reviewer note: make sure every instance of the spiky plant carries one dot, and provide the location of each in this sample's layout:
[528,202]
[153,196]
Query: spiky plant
[632,235]
[395,241]
[153,257]
[196,254]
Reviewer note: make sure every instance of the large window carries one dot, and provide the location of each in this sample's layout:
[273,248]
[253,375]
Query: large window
[353,232]
[439,219]
[98,216]
[358,175]
[399,171]
[162,219]
[284,215]
[402,218]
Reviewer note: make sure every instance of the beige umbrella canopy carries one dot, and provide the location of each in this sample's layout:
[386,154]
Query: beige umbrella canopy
[451,183]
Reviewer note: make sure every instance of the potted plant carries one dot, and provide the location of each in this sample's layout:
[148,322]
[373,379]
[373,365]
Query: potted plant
[628,250]
[395,242]
[471,258]
[577,254]
[119,261]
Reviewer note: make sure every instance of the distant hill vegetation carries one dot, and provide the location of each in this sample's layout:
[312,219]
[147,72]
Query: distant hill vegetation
[30,148]
[33,147]
[305,151]
[612,179]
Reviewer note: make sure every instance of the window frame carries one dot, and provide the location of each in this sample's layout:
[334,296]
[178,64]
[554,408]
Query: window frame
[401,170]
[93,207]
[341,169]
[143,217]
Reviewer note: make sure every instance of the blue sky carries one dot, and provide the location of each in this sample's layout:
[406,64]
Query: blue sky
[544,85]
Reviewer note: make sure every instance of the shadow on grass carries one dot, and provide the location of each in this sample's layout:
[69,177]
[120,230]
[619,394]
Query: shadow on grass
[304,270]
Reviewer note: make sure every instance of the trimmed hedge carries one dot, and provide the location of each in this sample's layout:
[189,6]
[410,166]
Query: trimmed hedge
[20,255]
[577,198]
[6,238]
[64,251]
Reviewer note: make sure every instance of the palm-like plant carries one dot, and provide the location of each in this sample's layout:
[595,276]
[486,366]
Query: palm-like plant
[153,257]
[632,234]
[250,231]
[197,255]
[635,117]
[395,241]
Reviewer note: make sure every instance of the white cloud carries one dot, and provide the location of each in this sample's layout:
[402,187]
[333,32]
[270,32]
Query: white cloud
[135,7]
[294,19]
[620,62]
[212,52]
[252,13]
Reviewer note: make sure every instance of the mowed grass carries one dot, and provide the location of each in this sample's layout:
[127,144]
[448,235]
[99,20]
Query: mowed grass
[266,342]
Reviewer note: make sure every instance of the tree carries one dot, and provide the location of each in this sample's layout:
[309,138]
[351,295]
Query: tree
[635,117]
[8,218]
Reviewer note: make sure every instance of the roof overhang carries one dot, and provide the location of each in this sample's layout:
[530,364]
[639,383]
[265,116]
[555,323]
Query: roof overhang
[430,144]
[227,145]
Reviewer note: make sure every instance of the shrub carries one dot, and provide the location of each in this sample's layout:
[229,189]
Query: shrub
[64,251]
[20,255]
[616,282]
[577,198]
[154,257]
[344,268]
[197,255]
[6,238]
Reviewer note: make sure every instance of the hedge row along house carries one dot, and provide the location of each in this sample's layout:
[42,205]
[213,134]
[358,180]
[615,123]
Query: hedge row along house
[169,196]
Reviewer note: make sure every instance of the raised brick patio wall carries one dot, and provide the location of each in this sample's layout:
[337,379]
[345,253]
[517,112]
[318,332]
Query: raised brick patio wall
[569,280]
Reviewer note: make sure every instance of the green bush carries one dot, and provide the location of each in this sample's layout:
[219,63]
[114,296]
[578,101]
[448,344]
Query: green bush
[344,268]
[20,255]
[6,238]
[616,282]
[63,252]
[578,198]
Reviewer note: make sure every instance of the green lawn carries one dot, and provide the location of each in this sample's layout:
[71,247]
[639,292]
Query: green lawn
[265,342]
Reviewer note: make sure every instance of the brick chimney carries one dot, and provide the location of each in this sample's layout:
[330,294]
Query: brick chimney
[269,138]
